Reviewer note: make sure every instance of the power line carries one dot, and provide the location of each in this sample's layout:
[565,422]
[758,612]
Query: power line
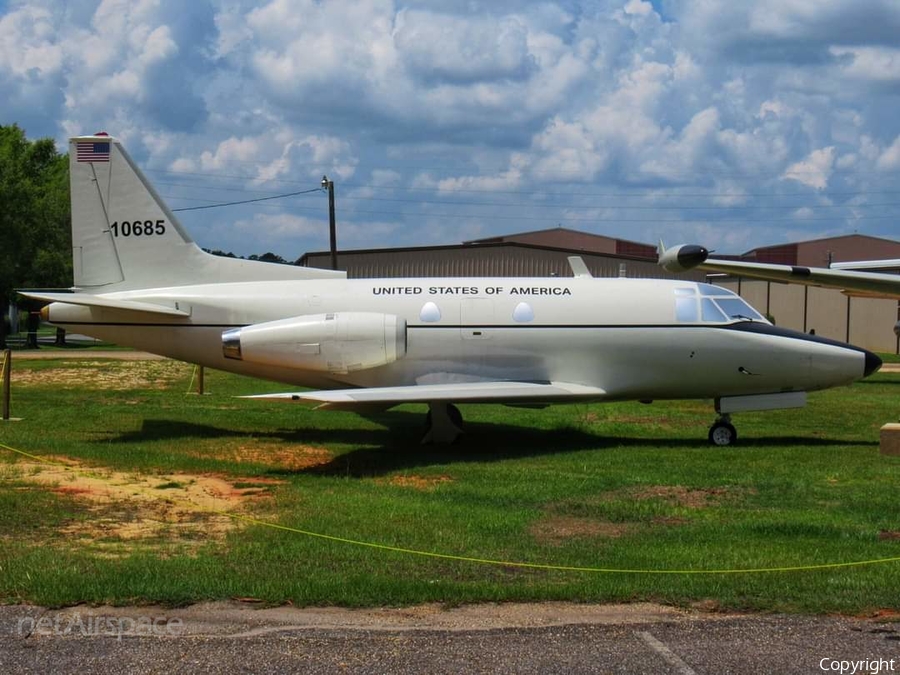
[246,201]
[638,193]
[532,204]
[461,165]
[574,219]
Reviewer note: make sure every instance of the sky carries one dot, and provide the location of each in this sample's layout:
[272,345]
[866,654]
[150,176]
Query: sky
[728,124]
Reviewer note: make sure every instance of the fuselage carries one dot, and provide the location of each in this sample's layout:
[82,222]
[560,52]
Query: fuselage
[632,338]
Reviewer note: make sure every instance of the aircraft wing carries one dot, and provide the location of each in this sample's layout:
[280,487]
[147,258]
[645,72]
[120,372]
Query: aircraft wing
[88,300]
[867,284]
[870,284]
[464,392]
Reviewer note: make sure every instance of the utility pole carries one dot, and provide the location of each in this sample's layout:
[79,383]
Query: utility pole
[332,230]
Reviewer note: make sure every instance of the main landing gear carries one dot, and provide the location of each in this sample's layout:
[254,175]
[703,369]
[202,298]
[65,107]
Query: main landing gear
[722,432]
[443,424]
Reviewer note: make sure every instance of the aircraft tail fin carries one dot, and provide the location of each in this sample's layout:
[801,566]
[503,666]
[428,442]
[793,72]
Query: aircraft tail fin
[125,237]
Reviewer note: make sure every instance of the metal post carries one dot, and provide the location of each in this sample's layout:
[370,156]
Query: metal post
[200,385]
[847,338]
[7,367]
[805,306]
[332,228]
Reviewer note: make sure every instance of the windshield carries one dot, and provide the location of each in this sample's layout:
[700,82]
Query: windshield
[713,304]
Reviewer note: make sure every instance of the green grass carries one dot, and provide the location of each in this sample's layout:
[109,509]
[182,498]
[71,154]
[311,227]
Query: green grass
[624,486]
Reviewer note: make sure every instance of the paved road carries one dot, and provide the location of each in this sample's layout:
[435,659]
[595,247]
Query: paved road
[544,638]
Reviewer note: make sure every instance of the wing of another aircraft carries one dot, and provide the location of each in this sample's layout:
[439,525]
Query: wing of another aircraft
[867,284]
[465,392]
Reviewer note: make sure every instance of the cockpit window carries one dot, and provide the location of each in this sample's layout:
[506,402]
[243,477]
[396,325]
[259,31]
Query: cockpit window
[735,308]
[709,311]
[709,289]
[715,305]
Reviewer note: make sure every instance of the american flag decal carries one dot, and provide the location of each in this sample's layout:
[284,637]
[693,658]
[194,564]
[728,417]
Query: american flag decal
[92,151]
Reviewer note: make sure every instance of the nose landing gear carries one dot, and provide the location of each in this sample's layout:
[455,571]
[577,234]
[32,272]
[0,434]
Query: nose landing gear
[722,432]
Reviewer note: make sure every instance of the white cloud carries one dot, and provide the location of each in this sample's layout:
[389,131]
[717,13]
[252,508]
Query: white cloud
[735,102]
[462,49]
[281,153]
[231,150]
[889,160]
[269,229]
[878,64]
[638,7]
[27,45]
[815,170]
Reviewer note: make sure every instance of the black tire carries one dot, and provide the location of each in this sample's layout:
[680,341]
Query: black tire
[722,434]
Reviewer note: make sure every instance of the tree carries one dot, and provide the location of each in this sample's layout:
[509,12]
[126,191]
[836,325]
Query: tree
[270,258]
[35,237]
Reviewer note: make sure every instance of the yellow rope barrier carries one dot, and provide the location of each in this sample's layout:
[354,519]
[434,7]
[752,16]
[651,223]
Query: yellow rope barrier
[503,563]
[191,384]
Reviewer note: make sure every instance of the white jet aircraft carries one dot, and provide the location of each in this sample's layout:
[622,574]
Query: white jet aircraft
[374,343]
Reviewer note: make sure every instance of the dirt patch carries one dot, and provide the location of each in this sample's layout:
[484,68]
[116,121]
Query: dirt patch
[115,376]
[891,615]
[678,495]
[707,605]
[288,456]
[556,530]
[558,524]
[156,511]
[77,354]
[639,420]
[425,483]
[889,535]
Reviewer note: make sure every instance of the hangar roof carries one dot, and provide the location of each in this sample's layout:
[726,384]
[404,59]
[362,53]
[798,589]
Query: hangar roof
[820,252]
[506,259]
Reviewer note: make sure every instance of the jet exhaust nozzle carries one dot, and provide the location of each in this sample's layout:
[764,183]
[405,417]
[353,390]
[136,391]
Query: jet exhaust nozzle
[231,344]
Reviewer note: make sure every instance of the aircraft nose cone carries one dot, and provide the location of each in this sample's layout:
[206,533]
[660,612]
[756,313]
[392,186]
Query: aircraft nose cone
[873,363]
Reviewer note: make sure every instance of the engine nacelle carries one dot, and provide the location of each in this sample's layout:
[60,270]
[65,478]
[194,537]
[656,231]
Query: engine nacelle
[334,343]
[682,258]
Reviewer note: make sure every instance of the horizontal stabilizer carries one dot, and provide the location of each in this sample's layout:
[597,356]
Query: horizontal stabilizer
[473,392]
[88,300]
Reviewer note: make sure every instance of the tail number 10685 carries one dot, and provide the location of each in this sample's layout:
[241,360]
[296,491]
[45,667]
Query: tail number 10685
[137,228]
